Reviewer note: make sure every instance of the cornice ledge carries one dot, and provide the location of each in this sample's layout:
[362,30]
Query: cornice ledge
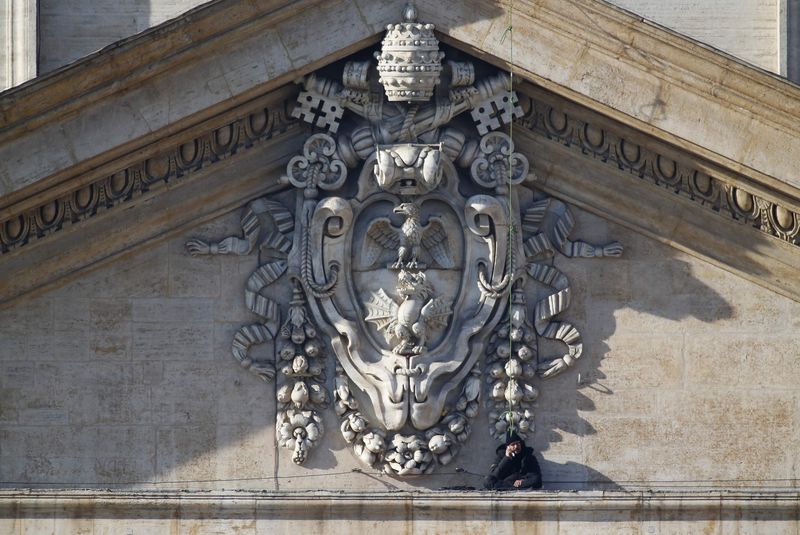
[643,75]
[135,59]
[167,79]
[659,190]
[284,504]
[175,183]
[710,187]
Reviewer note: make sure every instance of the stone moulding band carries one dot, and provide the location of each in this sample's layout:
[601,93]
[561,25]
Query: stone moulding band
[542,119]
[148,174]
[587,138]
[284,504]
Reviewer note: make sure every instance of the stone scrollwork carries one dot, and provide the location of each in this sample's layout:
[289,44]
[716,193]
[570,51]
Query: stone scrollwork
[317,167]
[498,164]
[278,238]
[408,251]
[513,359]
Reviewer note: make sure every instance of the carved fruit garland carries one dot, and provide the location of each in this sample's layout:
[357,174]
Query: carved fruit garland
[511,365]
[413,454]
[301,390]
[408,336]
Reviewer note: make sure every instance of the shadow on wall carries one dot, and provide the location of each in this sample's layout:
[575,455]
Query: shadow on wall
[124,377]
[633,314]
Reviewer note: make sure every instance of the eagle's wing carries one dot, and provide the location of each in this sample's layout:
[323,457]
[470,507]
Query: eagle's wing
[434,238]
[435,312]
[382,311]
[380,235]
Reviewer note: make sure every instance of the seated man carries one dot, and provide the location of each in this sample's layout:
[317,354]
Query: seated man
[515,467]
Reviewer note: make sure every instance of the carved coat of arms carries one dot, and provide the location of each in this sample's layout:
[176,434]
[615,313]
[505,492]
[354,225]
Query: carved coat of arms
[407,250]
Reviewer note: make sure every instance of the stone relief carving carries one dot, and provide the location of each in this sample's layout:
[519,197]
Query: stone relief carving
[143,176]
[408,250]
[301,387]
[489,107]
[721,194]
[684,178]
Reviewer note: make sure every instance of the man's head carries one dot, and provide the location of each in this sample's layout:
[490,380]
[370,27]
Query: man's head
[514,444]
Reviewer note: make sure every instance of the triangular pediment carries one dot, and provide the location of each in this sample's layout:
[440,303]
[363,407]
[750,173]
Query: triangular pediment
[192,119]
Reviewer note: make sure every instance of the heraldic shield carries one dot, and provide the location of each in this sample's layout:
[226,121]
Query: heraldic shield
[407,319]
[406,251]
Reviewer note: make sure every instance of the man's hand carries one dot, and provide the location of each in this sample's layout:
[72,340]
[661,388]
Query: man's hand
[513,449]
[517,483]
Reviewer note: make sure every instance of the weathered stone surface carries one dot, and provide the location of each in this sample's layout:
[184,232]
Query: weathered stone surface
[659,378]
[125,376]
[63,25]
[748,30]
[19,40]
[401,512]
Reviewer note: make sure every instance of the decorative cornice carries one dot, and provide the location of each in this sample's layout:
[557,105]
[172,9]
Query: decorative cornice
[267,503]
[148,174]
[642,75]
[660,167]
[136,59]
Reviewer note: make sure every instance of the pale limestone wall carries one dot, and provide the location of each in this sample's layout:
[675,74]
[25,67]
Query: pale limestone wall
[17,41]
[71,29]
[124,378]
[407,513]
[688,375]
[748,29]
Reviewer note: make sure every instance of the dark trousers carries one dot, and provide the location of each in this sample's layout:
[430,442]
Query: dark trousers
[493,483]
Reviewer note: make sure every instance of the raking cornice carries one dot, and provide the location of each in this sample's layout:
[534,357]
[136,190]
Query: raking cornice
[735,127]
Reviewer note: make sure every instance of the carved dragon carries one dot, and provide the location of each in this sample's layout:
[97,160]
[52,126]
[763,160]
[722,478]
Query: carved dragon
[401,150]
[410,321]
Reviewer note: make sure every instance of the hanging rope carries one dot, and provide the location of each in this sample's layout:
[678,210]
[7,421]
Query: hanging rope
[509,32]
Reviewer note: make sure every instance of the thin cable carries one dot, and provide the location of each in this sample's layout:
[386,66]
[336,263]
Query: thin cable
[788,483]
[509,32]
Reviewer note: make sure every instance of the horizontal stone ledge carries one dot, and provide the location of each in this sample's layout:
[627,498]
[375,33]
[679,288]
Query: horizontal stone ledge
[19,502]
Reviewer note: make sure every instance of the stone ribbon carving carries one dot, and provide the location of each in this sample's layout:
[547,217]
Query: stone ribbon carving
[407,250]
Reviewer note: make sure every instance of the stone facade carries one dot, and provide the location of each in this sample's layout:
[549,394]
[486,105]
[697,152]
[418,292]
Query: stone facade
[226,308]
[749,30]
[63,25]
[125,378]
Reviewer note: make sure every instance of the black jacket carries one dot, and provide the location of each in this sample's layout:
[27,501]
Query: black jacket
[506,470]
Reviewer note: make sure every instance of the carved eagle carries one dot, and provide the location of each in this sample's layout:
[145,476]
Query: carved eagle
[407,239]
